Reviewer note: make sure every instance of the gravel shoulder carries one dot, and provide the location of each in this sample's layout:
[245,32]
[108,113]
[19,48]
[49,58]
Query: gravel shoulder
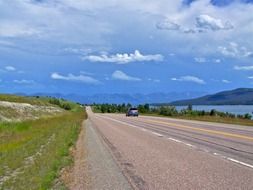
[103,170]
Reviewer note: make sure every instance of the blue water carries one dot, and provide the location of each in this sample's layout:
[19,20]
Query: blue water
[235,109]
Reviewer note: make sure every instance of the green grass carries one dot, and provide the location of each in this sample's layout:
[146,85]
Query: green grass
[32,152]
[217,119]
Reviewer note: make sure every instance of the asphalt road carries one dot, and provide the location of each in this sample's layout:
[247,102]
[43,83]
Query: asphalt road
[162,153]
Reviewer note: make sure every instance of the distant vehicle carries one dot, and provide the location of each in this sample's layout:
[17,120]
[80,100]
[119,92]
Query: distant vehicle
[132,112]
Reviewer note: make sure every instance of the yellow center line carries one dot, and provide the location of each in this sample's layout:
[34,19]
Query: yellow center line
[204,130]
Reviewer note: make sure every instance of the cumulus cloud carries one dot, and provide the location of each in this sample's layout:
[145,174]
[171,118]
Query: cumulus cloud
[243,68]
[207,22]
[189,79]
[10,68]
[234,50]
[23,81]
[75,78]
[167,25]
[119,75]
[123,58]
[204,23]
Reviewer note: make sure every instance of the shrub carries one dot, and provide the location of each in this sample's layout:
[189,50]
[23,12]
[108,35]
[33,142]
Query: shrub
[213,112]
[66,106]
[247,116]
[55,101]
[168,111]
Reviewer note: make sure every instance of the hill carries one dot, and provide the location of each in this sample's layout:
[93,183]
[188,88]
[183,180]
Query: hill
[240,96]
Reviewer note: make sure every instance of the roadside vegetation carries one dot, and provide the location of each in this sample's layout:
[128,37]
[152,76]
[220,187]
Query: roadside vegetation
[171,111]
[32,152]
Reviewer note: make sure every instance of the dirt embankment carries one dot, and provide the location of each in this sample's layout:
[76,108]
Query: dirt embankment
[12,111]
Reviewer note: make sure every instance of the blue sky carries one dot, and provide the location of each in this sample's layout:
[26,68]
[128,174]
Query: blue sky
[125,46]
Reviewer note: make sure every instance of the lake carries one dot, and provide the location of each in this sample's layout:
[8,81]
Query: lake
[235,109]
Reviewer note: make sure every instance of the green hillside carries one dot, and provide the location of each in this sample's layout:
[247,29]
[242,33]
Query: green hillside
[240,96]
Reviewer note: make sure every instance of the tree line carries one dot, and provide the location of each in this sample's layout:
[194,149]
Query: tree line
[165,111]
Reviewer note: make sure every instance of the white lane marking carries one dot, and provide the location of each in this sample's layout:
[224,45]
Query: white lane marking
[178,141]
[158,134]
[175,140]
[189,145]
[239,162]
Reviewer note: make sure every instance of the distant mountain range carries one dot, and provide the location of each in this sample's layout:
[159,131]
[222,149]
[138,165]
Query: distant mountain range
[240,96]
[118,98]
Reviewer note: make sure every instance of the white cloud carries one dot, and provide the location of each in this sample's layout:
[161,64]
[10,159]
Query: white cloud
[11,30]
[119,75]
[217,60]
[154,80]
[23,81]
[204,23]
[167,25]
[78,51]
[234,50]
[75,78]
[10,68]
[189,79]
[77,26]
[243,68]
[225,81]
[200,59]
[123,58]
[204,60]
[207,22]
[251,77]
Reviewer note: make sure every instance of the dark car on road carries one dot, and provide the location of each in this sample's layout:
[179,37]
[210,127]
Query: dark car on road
[132,112]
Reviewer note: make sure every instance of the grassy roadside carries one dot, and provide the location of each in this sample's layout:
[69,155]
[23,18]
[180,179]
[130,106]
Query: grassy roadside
[24,99]
[217,119]
[33,152]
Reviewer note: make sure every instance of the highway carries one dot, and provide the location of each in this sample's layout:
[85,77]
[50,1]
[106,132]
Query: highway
[164,153]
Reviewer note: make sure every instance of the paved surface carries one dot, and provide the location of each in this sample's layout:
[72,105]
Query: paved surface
[162,153]
[104,173]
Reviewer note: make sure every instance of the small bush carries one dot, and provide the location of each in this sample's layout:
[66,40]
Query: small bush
[66,106]
[55,101]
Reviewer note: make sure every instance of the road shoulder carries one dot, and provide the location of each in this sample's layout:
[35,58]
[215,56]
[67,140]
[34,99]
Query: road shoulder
[104,172]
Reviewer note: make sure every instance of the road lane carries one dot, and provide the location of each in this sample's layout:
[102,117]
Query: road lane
[225,145]
[158,155]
